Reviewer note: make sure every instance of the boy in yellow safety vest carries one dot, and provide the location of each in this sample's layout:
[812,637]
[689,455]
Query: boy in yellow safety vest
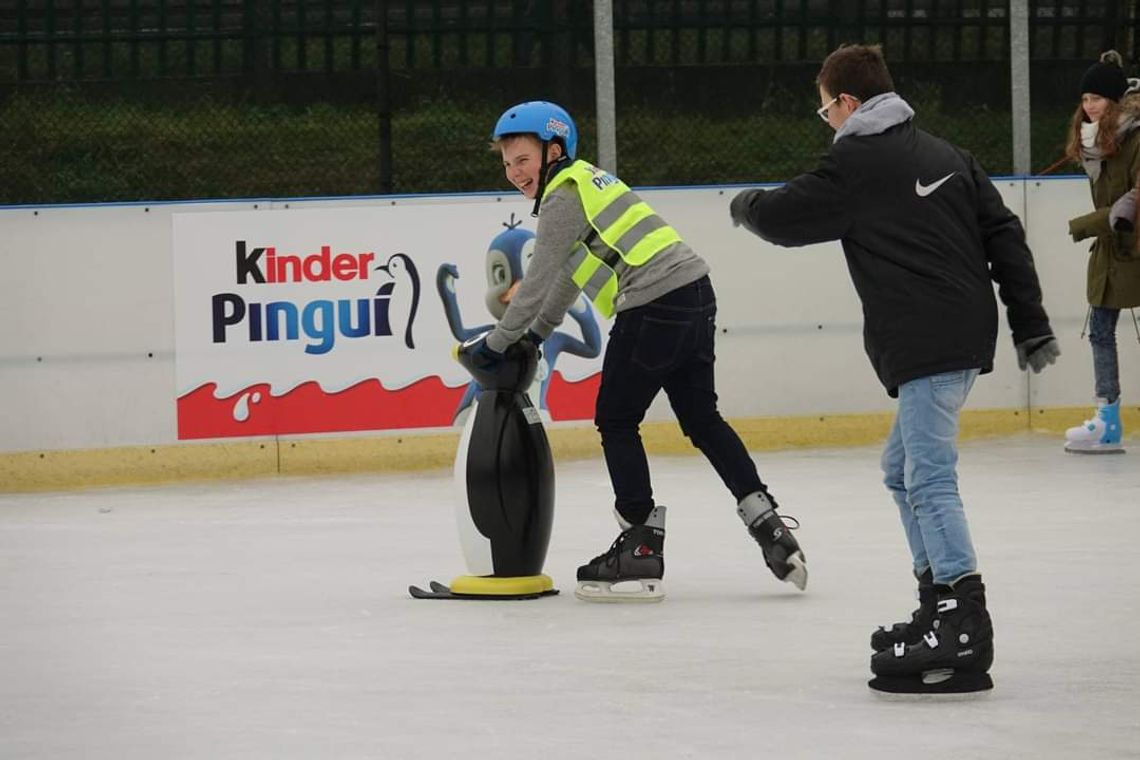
[597,236]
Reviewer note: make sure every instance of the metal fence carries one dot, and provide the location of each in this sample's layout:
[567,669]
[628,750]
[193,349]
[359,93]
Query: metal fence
[153,99]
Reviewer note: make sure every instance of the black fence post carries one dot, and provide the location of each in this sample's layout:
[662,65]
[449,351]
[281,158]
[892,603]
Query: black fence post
[383,97]
[556,42]
[191,39]
[49,29]
[22,36]
[1111,24]
[1134,37]
[249,40]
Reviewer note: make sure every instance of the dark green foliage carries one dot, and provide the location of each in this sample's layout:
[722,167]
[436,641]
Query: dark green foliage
[64,146]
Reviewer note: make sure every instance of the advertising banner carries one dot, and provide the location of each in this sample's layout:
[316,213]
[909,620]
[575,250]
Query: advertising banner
[340,319]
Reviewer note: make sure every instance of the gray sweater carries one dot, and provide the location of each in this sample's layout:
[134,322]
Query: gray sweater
[547,290]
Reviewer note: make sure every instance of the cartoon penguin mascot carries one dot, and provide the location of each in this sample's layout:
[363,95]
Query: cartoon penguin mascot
[505,264]
[401,268]
[504,476]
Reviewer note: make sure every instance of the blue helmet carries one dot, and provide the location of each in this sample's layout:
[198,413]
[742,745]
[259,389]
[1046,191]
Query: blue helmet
[539,117]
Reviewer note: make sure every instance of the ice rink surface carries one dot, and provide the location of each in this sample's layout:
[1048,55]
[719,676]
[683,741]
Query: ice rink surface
[270,619]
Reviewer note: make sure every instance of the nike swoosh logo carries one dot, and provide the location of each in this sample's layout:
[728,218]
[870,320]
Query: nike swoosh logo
[922,190]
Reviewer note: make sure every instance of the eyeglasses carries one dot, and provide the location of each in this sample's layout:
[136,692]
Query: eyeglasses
[821,112]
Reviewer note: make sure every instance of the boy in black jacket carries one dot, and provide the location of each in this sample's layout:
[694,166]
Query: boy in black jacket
[923,231]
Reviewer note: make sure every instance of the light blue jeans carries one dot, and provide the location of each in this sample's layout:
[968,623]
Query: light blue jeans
[920,463]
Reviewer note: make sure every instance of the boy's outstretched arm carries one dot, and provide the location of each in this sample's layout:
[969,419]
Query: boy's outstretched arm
[1011,267]
[812,208]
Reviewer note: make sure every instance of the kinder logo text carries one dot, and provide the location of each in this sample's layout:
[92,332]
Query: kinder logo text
[317,322]
[319,267]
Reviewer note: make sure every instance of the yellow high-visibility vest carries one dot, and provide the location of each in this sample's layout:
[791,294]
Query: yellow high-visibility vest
[626,232]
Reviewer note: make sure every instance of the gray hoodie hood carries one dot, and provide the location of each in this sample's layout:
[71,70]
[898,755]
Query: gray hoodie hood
[876,116]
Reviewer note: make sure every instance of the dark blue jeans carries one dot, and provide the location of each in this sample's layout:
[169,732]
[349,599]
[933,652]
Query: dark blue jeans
[666,344]
[1102,336]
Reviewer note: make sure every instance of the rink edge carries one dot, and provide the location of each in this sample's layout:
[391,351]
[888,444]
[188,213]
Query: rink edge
[71,469]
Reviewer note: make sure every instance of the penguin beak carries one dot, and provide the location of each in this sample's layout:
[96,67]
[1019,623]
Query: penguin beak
[506,297]
[385,269]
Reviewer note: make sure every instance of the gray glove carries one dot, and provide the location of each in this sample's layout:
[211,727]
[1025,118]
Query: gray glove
[1122,217]
[738,209]
[1037,352]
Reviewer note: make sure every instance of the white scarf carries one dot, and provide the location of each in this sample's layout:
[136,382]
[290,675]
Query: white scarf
[1089,131]
[1091,154]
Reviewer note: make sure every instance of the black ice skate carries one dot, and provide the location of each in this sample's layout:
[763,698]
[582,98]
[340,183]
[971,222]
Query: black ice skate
[921,620]
[632,568]
[782,552]
[953,658]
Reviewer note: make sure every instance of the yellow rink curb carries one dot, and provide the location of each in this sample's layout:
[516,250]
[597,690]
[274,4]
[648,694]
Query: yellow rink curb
[85,468]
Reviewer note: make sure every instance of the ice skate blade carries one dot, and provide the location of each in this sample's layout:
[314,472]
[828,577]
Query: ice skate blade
[940,685]
[1093,448]
[642,590]
[798,575]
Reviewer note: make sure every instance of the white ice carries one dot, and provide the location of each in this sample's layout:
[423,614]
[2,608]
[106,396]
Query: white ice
[270,619]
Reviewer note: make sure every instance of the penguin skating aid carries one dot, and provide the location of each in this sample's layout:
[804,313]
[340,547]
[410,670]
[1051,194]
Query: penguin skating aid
[504,477]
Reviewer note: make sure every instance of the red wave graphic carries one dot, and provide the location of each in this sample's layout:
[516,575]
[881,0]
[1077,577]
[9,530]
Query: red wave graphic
[566,400]
[365,406]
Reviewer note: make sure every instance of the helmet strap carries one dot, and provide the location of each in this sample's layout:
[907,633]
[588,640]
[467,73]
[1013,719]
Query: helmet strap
[541,178]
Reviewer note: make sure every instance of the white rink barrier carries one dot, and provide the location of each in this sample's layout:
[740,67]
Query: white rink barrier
[87,337]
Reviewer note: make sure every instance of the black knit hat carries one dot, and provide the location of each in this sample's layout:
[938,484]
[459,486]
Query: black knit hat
[1106,77]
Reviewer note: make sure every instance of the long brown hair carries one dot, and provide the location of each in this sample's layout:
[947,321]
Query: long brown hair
[1105,136]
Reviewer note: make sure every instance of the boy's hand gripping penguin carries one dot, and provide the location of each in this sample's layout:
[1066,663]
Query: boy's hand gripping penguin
[482,356]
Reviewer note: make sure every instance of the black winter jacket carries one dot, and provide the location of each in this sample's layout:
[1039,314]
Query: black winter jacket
[924,231]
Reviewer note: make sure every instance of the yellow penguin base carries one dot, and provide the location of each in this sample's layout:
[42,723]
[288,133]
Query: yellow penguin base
[489,585]
[488,588]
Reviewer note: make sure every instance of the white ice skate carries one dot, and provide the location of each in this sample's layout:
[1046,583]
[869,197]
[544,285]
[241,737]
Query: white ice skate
[1099,435]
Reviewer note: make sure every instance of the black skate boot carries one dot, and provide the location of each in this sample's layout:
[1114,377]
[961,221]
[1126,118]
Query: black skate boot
[953,658]
[921,620]
[632,568]
[782,552]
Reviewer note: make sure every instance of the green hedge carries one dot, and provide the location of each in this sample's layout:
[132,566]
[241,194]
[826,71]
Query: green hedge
[64,146]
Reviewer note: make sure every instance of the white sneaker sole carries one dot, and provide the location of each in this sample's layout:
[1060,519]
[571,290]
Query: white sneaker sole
[1083,447]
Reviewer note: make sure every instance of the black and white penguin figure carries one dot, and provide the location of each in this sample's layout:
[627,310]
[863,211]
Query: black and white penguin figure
[504,477]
